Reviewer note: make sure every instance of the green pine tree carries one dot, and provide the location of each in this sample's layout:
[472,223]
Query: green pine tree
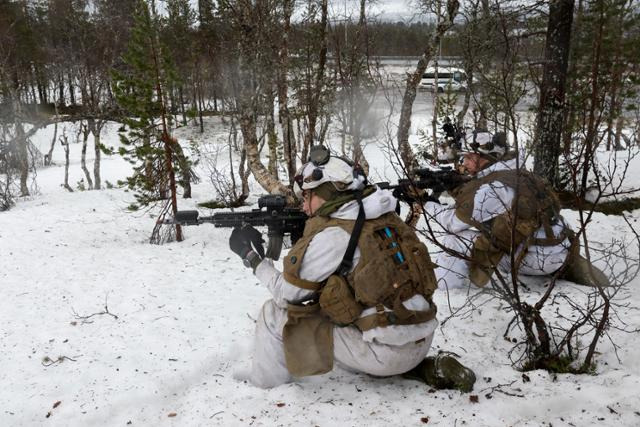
[140,91]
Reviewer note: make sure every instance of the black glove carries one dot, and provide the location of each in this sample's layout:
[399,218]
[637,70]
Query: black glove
[402,195]
[246,239]
[411,198]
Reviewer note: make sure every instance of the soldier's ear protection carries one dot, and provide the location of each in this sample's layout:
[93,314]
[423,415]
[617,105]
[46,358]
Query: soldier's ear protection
[357,169]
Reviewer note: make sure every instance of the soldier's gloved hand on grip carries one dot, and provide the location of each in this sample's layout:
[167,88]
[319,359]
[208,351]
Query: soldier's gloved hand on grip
[246,238]
[247,242]
[412,197]
[404,196]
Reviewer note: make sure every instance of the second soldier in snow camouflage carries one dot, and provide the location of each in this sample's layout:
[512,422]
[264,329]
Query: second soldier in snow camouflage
[505,208]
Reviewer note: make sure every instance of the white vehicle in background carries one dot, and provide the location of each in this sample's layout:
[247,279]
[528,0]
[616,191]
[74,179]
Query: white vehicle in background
[449,78]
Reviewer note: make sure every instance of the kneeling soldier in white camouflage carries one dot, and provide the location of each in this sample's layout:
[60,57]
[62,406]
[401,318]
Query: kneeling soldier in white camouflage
[356,290]
[505,207]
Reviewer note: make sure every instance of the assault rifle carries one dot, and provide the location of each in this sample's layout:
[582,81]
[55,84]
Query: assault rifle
[436,180]
[272,213]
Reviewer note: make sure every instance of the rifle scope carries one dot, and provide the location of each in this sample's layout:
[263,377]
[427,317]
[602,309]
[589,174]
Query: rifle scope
[272,201]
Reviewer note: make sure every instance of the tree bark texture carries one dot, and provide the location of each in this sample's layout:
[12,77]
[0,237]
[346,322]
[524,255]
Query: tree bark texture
[315,99]
[64,141]
[272,137]
[260,172]
[83,157]
[406,153]
[288,139]
[96,129]
[49,155]
[20,146]
[360,48]
[552,92]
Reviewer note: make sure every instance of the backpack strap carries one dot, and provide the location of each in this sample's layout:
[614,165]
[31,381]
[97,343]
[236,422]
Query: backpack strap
[382,318]
[347,259]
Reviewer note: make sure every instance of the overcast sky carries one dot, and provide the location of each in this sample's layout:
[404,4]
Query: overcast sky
[384,10]
[387,10]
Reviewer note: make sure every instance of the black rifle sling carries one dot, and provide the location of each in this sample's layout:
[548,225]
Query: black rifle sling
[347,260]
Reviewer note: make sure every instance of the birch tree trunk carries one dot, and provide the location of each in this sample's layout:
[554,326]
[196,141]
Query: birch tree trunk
[436,105]
[96,130]
[361,45]
[316,97]
[244,173]
[260,172]
[436,90]
[21,145]
[288,139]
[83,156]
[23,158]
[272,136]
[49,155]
[413,79]
[64,142]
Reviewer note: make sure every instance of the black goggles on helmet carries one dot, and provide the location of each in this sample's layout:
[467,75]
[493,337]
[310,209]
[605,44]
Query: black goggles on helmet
[316,175]
[476,146]
[319,155]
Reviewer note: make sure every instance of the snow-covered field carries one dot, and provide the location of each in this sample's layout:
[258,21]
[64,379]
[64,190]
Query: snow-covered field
[100,328]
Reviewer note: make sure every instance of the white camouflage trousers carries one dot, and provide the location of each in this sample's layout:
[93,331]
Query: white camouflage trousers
[453,271]
[351,352]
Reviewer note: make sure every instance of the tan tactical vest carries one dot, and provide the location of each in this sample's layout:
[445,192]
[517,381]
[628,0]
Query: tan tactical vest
[535,205]
[391,269]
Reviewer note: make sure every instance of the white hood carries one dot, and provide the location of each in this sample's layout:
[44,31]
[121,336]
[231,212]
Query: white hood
[503,165]
[375,205]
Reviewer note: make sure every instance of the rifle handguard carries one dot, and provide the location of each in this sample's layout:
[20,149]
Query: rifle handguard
[272,213]
[187,217]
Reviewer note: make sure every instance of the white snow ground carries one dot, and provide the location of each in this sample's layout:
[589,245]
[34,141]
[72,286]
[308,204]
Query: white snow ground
[184,325]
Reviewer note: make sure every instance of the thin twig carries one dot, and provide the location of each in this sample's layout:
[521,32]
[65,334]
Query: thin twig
[85,319]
